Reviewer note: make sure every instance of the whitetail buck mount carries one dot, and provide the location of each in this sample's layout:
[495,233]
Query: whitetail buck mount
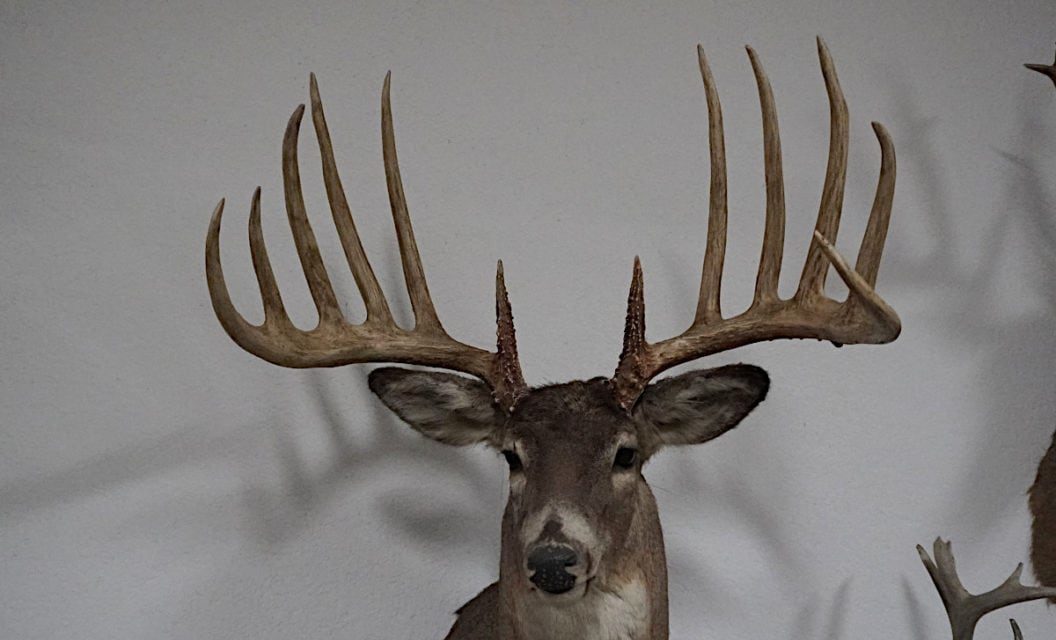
[582,552]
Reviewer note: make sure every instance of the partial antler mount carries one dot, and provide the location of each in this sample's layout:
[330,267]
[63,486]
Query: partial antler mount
[335,341]
[965,609]
[1044,69]
[863,318]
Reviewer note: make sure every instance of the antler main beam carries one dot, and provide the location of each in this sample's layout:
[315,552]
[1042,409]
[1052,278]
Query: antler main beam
[334,342]
[965,609]
[864,318]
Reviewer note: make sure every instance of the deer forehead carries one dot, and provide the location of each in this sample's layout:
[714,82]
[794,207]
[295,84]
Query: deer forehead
[574,417]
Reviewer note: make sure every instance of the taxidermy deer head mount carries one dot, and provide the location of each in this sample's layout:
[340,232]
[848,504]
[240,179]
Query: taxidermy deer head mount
[582,550]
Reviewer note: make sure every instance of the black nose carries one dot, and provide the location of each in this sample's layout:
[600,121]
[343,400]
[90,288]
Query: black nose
[547,565]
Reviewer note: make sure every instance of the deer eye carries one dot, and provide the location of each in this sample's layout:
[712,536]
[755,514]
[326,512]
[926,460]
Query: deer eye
[625,458]
[513,460]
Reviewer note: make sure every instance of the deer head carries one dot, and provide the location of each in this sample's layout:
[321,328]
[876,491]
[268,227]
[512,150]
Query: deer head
[580,518]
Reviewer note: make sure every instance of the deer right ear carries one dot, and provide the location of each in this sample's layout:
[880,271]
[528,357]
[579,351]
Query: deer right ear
[447,408]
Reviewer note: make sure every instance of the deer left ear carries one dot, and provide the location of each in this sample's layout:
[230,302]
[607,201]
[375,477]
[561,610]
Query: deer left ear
[701,405]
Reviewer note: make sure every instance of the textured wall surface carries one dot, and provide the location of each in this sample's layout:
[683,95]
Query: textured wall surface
[158,482]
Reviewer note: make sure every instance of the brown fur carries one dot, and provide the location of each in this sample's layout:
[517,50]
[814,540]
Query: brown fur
[1043,506]
[567,436]
[568,431]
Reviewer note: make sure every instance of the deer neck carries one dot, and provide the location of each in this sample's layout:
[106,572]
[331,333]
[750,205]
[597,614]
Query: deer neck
[627,599]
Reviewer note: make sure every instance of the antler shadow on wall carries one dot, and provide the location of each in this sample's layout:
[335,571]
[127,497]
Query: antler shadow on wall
[1016,350]
[280,513]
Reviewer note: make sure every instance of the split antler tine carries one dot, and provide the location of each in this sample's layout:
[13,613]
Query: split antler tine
[424,313]
[510,385]
[888,323]
[373,298]
[230,319]
[766,281]
[304,239]
[872,248]
[708,307]
[812,282]
[274,310]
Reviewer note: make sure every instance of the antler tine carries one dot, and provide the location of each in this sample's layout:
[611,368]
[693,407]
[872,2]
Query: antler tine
[510,386]
[1048,70]
[774,234]
[230,319]
[872,248]
[1017,634]
[274,310]
[632,373]
[373,297]
[424,313]
[965,609]
[708,307]
[812,282]
[303,237]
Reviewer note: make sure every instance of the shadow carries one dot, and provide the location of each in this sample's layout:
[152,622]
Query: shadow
[1019,350]
[921,162]
[122,467]
[803,627]
[283,512]
[838,614]
[1013,349]
[914,612]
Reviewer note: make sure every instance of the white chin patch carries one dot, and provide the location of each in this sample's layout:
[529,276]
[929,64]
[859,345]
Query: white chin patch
[621,613]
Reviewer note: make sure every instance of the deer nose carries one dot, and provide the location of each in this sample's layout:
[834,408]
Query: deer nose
[548,566]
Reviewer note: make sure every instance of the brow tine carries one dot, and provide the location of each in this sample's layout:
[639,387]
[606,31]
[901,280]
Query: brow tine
[303,237]
[274,311]
[766,281]
[230,319]
[872,248]
[424,313]
[708,309]
[861,291]
[511,386]
[373,297]
[812,282]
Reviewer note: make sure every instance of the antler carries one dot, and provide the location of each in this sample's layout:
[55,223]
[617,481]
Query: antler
[334,342]
[864,318]
[965,609]
[1044,69]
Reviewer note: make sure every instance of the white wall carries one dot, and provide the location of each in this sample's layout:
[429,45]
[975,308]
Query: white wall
[158,482]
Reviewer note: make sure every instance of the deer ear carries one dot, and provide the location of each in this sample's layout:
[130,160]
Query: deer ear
[701,405]
[447,408]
